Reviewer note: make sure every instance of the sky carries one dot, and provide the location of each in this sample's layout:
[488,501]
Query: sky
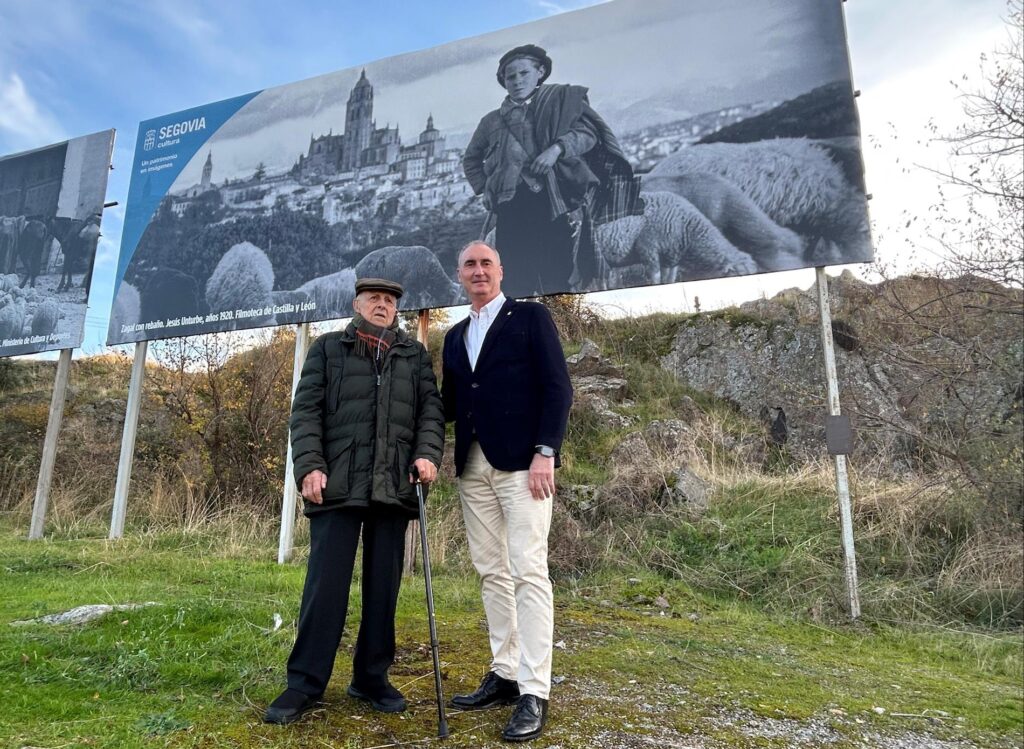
[73,67]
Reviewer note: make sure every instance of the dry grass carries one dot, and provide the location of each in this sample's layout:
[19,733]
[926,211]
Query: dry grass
[926,549]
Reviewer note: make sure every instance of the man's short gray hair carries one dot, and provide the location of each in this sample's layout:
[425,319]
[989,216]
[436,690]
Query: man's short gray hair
[482,243]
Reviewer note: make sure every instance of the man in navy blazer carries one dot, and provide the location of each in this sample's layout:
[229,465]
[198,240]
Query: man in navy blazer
[506,387]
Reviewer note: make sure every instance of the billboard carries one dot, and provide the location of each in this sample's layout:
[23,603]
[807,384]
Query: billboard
[633,143]
[51,203]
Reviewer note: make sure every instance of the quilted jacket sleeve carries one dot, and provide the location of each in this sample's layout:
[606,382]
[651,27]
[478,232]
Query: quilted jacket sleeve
[430,414]
[306,423]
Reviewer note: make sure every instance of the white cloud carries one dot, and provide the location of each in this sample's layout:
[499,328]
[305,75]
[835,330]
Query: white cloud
[187,19]
[554,8]
[23,124]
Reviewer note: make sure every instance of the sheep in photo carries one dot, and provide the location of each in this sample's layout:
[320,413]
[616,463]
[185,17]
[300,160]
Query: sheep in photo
[282,299]
[166,293]
[12,316]
[285,296]
[243,279]
[332,294]
[673,241]
[418,270]
[8,282]
[45,318]
[127,309]
[796,183]
[739,219]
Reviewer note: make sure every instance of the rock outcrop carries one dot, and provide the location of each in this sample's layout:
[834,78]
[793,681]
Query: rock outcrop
[895,382]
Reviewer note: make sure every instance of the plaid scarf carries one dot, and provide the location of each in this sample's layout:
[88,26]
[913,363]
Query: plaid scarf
[372,340]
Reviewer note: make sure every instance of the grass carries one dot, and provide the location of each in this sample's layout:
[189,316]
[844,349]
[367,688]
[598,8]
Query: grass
[197,669]
[753,648]
[930,548]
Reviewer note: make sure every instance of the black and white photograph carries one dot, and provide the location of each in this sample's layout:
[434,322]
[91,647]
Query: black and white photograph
[51,204]
[628,144]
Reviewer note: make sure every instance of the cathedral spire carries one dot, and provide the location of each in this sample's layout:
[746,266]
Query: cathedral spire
[207,171]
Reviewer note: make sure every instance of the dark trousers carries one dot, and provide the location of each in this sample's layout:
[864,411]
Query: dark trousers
[536,252]
[333,539]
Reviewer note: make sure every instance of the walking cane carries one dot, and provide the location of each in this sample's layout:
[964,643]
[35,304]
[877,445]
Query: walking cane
[442,722]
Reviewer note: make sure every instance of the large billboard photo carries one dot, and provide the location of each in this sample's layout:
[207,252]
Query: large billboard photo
[51,203]
[637,142]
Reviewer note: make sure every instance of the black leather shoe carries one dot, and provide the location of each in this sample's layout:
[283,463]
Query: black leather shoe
[389,700]
[528,719]
[493,691]
[289,707]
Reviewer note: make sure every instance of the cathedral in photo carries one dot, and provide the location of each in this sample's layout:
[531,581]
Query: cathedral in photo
[363,149]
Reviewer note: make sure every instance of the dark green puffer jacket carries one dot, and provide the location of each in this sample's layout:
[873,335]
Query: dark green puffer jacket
[364,433]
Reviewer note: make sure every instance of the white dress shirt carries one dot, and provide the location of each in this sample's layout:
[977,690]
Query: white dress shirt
[479,323]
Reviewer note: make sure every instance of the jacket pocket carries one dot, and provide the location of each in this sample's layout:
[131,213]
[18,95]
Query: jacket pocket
[334,375]
[339,466]
[400,471]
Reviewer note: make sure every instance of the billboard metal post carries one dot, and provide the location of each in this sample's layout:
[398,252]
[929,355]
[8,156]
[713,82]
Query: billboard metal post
[409,563]
[285,546]
[842,483]
[60,389]
[131,425]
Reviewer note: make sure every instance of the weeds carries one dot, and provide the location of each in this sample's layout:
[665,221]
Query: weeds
[928,551]
[640,649]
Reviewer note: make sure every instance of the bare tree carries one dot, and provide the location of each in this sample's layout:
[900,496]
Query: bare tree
[232,391]
[987,168]
[951,337]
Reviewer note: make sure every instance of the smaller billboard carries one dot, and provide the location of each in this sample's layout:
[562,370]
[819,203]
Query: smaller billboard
[51,204]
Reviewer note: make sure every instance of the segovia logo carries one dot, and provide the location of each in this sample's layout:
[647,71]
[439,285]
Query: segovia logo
[181,128]
[150,141]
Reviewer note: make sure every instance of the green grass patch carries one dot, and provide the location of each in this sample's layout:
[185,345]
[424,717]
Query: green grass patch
[197,668]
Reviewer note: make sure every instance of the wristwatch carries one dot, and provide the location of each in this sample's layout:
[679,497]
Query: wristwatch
[547,452]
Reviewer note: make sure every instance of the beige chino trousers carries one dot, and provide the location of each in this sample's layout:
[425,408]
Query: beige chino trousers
[507,530]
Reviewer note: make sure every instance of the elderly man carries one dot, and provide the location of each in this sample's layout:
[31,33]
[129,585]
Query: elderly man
[549,170]
[507,388]
[366,412]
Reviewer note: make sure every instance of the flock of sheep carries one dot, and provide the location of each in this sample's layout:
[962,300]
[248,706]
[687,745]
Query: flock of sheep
[724,209]
[711,210]
[25,312]
[244,280]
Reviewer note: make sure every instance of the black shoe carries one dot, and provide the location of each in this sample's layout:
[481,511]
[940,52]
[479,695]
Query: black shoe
[289,707]
[388,700]
[493,691]
[528,719]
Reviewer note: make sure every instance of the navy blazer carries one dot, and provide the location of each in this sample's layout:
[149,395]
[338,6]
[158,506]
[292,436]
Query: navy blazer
[518,396]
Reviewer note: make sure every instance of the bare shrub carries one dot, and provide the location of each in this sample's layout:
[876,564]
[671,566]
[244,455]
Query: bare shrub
[16,490]
[573,317]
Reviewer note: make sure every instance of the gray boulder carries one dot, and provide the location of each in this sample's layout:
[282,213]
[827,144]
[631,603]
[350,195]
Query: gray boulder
[597,384]
[589,362]
[646,464]
[684,487]
[772,365]
[915,360]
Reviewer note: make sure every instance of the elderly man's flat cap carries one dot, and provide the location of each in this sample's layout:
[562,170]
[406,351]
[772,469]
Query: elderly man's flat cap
[531,51]
[380,284]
